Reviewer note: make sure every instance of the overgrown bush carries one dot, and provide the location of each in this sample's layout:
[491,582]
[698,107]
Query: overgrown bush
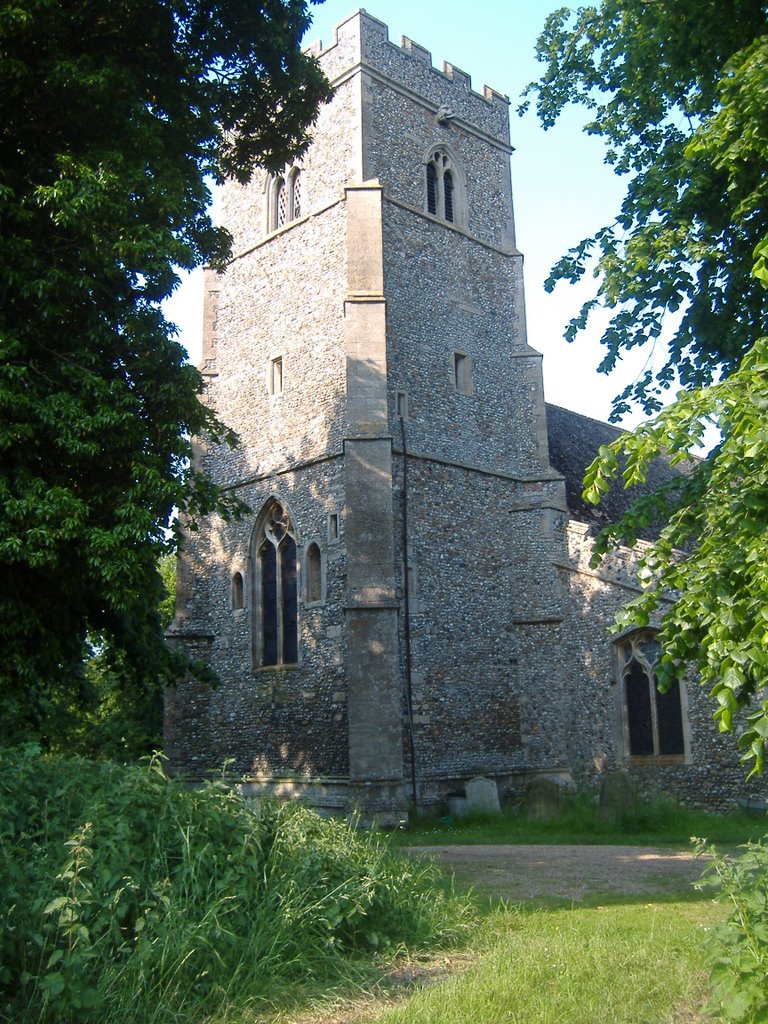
[125,897]
[739,950]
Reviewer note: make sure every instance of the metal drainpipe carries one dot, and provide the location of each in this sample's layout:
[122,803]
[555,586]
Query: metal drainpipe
[407,618]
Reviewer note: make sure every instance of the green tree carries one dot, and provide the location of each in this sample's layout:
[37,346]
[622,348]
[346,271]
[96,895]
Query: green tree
[679,92]
[112,118]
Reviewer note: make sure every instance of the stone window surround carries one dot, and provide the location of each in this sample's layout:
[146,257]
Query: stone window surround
[461,372]
[257,539]
[275,374]
[312,581]
[291,182]
[237,591]
[655,759]
[442,159]
[401,405]
[333,527]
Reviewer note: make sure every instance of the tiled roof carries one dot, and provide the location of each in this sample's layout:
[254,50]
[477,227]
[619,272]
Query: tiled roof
[573,443]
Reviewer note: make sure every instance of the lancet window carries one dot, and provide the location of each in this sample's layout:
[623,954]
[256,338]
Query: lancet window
[314,574]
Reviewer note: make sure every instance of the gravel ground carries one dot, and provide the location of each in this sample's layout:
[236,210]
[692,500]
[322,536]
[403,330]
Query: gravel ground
[569,872]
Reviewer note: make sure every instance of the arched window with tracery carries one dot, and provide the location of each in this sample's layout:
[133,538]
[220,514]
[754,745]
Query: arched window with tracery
[296,195]
[276,612]
[285,199]
[443,186]
[653,721]
[281,204]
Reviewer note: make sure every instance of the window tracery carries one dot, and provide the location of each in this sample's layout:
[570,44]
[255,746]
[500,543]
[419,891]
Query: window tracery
[281,204]
[296,192]
[285,199]
[276,612]
[442,186]
[653,720]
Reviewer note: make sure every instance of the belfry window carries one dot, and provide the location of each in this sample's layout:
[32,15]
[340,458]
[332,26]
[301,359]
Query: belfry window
[296,194]
[653,721]
[442,186]
[276,625]
[285,199]
[431,188]
[448,195]
[281,204]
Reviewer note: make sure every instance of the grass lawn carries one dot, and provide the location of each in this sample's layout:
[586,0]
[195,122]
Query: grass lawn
[615,958]
[612,964]
[595,962]
[659,823]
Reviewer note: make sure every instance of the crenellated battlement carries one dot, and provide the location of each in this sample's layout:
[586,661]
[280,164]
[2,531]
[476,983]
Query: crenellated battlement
[363,39]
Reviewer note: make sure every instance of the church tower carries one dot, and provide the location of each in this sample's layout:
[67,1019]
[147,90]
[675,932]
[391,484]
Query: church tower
[382,621]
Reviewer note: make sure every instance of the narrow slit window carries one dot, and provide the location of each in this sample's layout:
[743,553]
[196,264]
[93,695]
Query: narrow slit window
[402,405]
[333,527]
[462,373]
[276,375]
[314,574]
[238,595]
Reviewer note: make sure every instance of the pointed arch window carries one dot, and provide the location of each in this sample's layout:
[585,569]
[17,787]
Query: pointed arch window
[654,725]
[285,199]
[443,187]
[448,195]
[431,189]
[276,626]
[238,592]
[314,574]
[296,195]
[281,204]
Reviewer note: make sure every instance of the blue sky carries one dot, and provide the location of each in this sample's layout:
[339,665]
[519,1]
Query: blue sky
[562,189]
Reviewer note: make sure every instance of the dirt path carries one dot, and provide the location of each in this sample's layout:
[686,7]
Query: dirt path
[569,872]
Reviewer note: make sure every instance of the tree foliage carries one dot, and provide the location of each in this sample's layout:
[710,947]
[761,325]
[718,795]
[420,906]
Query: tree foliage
[112,116]
[679,92]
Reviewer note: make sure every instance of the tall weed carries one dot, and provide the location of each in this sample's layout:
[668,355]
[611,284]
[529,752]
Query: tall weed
[126,897]
[739,948]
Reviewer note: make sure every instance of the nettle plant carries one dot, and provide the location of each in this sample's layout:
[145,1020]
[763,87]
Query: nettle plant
[739,950]
[126,896]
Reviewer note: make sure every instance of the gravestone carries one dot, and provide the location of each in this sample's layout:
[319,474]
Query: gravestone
[618,793]
[542,797]
[457,805]
[482,796]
